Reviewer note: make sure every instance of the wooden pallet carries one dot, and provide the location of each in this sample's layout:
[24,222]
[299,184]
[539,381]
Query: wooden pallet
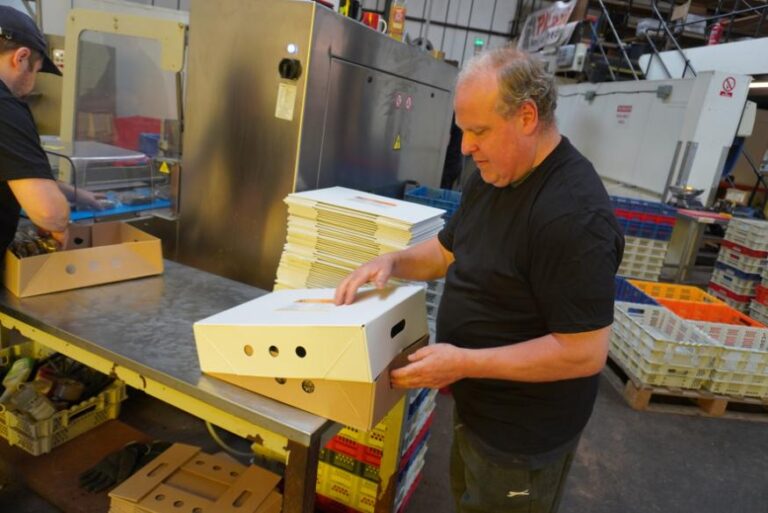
[644,397]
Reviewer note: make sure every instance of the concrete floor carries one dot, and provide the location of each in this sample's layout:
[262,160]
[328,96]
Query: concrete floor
[628,461]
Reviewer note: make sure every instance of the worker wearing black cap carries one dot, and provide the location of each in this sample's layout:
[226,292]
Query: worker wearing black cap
[26,180]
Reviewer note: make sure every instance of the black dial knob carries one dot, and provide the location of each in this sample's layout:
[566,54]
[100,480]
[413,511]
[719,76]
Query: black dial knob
[290,69]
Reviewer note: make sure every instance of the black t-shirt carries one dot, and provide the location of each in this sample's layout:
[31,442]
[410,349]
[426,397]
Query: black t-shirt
[531,259]
[21,156]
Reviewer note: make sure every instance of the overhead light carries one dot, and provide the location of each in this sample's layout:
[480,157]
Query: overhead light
[758,85]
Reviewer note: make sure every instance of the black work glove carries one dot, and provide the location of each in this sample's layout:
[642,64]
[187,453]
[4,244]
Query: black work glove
[153,450]
[113,469]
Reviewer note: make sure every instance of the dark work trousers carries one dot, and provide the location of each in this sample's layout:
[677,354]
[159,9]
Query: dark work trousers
[483,486]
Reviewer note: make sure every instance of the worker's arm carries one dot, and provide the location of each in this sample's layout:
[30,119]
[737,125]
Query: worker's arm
[426,261]
[44,203]
[82,197]
[553,357]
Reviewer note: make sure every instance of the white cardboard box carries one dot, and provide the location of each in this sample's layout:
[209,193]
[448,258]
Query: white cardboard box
[302,334]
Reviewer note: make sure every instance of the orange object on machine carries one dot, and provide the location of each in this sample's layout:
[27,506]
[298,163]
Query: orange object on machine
[396,21]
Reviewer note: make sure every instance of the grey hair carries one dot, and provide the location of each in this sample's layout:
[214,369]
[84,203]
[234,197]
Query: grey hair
[521,77]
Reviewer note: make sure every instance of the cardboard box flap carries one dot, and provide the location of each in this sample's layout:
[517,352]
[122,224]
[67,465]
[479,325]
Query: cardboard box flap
[213,468]
[155,472]
[272,504]
[248,492]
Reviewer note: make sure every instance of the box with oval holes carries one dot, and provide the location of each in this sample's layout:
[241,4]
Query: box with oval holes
[185,479]
[302,334]
[97,254]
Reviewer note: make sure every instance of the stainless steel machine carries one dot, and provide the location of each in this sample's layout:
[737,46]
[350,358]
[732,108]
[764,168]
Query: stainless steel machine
[287,95]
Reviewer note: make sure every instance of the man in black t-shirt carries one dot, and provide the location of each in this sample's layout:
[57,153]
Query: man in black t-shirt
[524,321]
[25,174]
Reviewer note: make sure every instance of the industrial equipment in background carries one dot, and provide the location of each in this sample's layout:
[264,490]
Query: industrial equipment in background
[659,139]
[317,100]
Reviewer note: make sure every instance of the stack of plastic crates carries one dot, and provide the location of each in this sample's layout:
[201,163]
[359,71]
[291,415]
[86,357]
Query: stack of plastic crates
[741,368]
[348,473]
[659,348]
[626,292]
[647,229]
[41,436]
[449,201]
[758,308]
[740,263]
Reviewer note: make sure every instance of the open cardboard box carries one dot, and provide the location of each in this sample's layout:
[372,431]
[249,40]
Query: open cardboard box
[185,479]
[98,253]
[360,405]
[302,334]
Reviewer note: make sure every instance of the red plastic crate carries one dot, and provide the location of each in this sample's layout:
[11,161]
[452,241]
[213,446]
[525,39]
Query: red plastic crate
[129,129]
[710,312]
[744,250]
[761,294]
[644,217]
[368,455]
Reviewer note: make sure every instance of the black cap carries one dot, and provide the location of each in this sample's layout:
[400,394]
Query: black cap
[20,28]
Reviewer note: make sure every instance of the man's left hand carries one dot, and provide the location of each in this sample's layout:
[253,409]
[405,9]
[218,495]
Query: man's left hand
[434,366]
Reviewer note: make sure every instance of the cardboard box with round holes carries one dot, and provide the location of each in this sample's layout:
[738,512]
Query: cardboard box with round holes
[185,479]
[360,405]
[98,253]
[302,334]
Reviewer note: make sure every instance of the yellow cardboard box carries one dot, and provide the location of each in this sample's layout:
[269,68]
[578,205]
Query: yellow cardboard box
[185,479]
[360,405]
[100,253]
[302,334]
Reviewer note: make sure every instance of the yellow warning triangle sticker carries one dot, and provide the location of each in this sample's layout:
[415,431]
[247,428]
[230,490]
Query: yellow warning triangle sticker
[396,146]
[164,168]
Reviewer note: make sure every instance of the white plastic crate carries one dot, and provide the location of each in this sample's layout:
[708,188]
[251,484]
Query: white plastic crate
[759,312]
[741,306]
[642,259]
[677,376]
[752,234]
[746,263]
[411,475]
[737,384]
[744,349]
[639,274]
[733,282]
[40,437]
[641,244]
[661,337]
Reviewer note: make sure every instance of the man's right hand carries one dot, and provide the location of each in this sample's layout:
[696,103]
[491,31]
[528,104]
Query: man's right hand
[377,271]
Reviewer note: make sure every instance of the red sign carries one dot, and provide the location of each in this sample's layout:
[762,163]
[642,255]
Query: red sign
[729,84]
[622,113]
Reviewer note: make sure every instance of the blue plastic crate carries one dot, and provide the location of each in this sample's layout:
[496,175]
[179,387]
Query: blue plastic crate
[738,272]
[439,198]
[645,230]
[149,144]
[628,293]
[650,207]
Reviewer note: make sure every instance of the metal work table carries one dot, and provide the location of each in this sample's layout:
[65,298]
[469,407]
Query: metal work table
[141,332]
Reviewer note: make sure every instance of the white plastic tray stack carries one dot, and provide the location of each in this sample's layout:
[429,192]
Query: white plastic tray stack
[660,348]
[740,262]
[333,231]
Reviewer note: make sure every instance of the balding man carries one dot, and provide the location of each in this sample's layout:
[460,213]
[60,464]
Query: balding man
[524,321]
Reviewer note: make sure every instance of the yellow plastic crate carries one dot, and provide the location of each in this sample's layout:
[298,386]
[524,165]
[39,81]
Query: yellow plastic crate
[671,291]
[373,438]
[40,437]
[346,488]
